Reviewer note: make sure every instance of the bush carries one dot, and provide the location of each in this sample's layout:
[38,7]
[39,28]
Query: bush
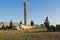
[32,23]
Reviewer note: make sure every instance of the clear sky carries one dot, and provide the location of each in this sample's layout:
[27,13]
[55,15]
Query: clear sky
[37,11]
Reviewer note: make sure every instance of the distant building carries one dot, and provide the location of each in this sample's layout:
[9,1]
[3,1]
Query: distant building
[42,26]
[39,26]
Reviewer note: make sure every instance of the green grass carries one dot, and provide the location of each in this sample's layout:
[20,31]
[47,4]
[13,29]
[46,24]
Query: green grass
[31,34]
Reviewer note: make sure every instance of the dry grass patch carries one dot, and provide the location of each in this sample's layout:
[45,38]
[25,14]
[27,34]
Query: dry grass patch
[33,34]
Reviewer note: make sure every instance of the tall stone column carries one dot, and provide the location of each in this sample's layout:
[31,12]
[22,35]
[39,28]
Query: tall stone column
[25,13]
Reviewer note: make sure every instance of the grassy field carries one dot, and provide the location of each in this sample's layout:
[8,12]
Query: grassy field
[31,34]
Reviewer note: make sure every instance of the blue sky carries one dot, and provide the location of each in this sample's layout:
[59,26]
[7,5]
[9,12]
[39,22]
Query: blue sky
[37,11]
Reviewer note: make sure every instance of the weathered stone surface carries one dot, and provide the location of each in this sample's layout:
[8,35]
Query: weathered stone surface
[25,27]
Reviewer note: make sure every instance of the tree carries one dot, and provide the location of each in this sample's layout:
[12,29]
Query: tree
[11,24]
[46,22]
[32,23]
[20,22]
[58,27]
[51,28]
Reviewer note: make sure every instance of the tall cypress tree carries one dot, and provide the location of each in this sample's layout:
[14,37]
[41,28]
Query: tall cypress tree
[20,22]
[46,22]
[32,23]
[11,24]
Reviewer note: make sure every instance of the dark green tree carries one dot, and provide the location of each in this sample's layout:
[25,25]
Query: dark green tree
[32,23]
[57,27]
[52,28]
[46,22]
[20,22]
[11,24]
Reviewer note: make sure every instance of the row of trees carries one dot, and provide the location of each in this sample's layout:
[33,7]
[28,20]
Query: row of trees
[46,23]
[3,27]
[51,27]
[54,28]
[32,23]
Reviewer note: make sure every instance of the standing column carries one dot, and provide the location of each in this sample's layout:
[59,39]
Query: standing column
[25,13]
